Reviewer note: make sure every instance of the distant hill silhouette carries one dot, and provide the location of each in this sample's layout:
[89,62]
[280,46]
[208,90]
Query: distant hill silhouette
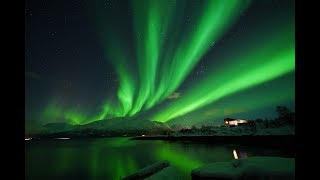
[108,127]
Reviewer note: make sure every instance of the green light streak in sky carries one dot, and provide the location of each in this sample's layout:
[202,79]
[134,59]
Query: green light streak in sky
[244,105]
[166,49]
[126,82]
[118,55]
[150,42]
[150,29]
[272,60]
[54,112]
[216,17]
[156,82]
[147,29]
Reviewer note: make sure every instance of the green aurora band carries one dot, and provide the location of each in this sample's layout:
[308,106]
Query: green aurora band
[157,80]
[116,51]
[54,111]
[217,16]
[238,104]
[273,59]
[166,50]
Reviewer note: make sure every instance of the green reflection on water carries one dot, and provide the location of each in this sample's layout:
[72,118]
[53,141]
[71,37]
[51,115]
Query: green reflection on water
[178,159]
[113,158]
[108,160]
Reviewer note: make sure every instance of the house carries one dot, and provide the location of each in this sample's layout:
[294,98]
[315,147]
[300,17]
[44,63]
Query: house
[235,122]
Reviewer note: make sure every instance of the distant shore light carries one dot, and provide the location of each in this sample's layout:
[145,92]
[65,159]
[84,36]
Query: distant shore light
[27,139]
[235,154]
[61,138]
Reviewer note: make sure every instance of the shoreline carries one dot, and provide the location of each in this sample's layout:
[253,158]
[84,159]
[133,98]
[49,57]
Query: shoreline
[273,140]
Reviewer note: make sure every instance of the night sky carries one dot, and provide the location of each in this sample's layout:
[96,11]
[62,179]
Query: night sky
[186,62]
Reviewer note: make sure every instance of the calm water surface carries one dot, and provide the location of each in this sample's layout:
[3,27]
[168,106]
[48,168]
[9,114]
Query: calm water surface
[113,158]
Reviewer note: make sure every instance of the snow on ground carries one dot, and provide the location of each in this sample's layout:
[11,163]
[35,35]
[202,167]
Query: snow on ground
[249,168]
[283,130]
[239,131]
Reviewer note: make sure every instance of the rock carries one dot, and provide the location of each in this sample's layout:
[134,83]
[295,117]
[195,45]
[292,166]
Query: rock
[168,173]
[148,171]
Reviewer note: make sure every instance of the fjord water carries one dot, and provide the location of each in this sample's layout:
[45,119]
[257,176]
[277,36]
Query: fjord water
[113,158]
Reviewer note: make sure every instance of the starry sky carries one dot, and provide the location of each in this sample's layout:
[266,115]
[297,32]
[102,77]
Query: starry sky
[176,61]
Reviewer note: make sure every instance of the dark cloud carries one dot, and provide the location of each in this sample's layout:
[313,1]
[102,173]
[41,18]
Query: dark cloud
[175,95]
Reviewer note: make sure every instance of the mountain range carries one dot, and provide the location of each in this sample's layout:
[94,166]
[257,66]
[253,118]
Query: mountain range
[109,127]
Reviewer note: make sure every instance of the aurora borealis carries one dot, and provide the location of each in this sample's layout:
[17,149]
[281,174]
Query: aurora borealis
[175,61]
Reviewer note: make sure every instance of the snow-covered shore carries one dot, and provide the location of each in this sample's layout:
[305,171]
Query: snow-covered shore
[248,168]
